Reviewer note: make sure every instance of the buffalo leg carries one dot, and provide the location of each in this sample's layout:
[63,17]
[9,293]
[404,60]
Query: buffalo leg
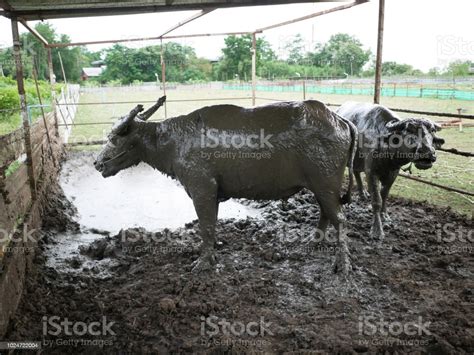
[387,182]
[206,205]
[331,206]
[374,189]
[363,194]
[323,222]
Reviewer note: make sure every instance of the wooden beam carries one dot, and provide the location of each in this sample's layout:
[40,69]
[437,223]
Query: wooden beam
[378,61]
[34,32]
[315,14]
[24,110]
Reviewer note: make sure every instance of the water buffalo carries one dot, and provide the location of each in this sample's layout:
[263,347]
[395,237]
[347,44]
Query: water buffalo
[224,151]
[386,143]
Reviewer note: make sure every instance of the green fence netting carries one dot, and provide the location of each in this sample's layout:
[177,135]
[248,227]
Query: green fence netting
[387,91]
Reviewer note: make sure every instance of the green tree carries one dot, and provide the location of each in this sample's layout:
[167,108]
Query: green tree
[129,65]
[236,61]
[459,68]
[394,68]
[343,52]
[295,48]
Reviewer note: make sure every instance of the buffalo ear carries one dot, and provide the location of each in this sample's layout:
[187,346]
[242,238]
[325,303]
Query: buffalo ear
[437,127]
[438,142]
[122,124]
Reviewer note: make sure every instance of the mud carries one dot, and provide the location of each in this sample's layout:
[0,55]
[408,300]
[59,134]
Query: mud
[272,271]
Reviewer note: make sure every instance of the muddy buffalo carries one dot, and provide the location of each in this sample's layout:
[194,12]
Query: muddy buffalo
[385,144]
[223,151]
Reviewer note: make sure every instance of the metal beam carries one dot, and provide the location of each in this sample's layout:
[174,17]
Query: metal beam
[5,5]
[182,23]
[378,61]
[315,14]
[163,75]
[51,10]
[73,44]
[34,32]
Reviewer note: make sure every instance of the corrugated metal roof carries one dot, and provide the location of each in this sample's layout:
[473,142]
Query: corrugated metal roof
[93,71]
[49,9]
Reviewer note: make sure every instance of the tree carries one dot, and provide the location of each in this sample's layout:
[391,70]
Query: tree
[394,68]
[144,64]
[33,49]
[459,68]
[295,48]
[343,53]
[236,61]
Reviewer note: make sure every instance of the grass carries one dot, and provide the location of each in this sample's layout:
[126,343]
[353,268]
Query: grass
[450,170]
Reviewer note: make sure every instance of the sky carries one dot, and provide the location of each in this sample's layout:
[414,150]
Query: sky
[423,33]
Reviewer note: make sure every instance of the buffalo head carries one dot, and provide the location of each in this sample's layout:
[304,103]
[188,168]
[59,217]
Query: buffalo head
[415,140]
[125,141]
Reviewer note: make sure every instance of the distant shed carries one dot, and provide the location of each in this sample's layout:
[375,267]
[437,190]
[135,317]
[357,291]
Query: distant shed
[92,72]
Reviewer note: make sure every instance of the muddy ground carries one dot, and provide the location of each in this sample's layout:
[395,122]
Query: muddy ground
[273,272]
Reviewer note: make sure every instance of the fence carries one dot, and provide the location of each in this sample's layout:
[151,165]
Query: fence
[391,90]
[26,173]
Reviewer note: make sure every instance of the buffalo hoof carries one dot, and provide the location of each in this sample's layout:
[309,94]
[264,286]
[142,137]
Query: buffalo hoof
[342,264]
[205,262]
[364,196]
[376,233]
[386,217]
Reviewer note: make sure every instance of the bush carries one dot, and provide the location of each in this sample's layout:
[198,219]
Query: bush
[9,98]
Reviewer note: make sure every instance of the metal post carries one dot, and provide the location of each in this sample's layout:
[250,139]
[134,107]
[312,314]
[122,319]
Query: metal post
[24,110]
[45,122]
[304,90]
[163,75]
[254,66]
[378,62]
[52,81]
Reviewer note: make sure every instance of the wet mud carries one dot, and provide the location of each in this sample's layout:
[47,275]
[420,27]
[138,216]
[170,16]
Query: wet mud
[273,291]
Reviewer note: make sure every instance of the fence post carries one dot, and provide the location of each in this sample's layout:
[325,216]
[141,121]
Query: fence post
[378,61]
[53,92]
[163,73]
[254,66]
[24,110]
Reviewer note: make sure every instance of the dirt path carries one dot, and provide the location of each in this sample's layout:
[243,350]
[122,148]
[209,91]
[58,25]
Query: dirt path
[272,273]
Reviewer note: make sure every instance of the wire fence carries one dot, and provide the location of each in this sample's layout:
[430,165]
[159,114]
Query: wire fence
[389,90]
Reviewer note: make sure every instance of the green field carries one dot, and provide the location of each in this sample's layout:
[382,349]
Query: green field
[450,170]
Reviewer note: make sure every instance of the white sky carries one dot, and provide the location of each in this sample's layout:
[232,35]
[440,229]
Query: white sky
[423,33]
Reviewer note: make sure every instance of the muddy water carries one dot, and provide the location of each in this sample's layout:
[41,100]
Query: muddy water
[106,206]
[137,197]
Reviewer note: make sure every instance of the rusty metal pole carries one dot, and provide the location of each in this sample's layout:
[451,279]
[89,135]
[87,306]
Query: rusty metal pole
[52,83]
[163,75]
[254,66]
[378,62]
[24,110]
[45,122]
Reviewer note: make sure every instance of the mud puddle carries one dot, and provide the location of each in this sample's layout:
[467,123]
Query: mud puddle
[136,197]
